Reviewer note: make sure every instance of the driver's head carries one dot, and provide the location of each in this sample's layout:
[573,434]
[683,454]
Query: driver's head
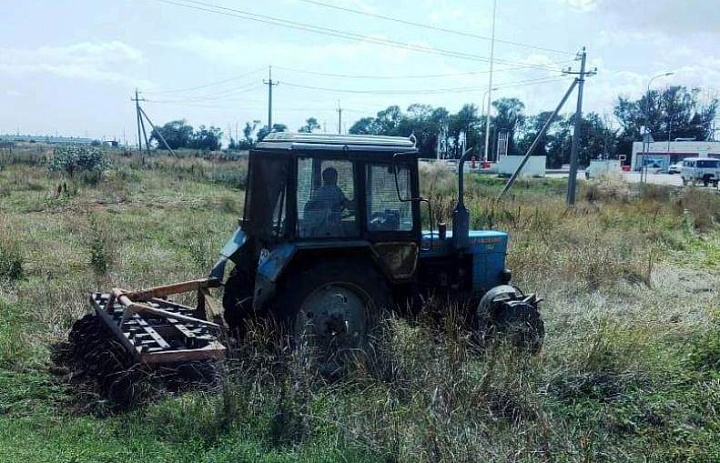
[329,176]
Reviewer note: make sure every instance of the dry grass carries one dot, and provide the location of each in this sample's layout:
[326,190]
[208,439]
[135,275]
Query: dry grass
[627,372]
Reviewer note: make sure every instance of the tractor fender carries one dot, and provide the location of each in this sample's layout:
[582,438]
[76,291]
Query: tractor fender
[270,268]
[232,246]
[275,263]
[498,293]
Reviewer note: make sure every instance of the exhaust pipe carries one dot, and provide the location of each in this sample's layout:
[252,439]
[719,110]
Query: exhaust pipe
[460,215]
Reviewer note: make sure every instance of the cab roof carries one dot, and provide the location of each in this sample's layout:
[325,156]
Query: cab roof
[332,142]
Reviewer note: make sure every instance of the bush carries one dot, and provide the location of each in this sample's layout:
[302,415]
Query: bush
[89,162]
[704,208]
[100,253]
[607,186]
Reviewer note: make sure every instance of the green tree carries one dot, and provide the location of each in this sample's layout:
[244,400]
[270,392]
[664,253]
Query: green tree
[311,125]
[425,123]
[262,133]
[207,139]
[364,126]
[74,160]
[465,123]
[177,134]
[674,112]
[509,115]
[388,120]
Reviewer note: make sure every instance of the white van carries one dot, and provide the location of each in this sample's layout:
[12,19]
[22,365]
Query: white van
[700,170]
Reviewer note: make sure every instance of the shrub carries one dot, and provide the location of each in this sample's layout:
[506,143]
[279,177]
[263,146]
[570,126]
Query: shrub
[73,160]
[703,206]
[607,186]
[100,254]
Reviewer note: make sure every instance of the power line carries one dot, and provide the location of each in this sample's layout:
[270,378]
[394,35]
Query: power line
[195,105]
[241,14]
[408,76]
[422,91]
[434,28]
[253,108]
[211,84]
[220,95]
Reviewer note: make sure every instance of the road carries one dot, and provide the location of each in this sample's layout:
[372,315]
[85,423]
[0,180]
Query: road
[633,177]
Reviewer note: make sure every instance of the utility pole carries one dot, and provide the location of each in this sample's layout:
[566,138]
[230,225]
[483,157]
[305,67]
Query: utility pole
[490,84]
[140,123]
[339,111]
[535,142]
[137,117]
[580,79]
[270,85]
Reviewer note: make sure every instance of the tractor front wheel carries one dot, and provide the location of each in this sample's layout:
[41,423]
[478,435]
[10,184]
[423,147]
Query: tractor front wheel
[333,310]
[506,314]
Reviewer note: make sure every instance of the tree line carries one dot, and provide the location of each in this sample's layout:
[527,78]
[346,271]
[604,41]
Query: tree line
[178,134]
[674,112]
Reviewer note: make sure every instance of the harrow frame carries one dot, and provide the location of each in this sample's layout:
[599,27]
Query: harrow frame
[156,330]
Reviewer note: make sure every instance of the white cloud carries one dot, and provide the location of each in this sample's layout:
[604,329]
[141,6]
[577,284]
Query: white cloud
[670,17]
[581,5]
[242,49]
[95,61]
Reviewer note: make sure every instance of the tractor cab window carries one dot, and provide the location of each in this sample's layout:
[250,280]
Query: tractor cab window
[266,197]
[326,199]
[385,210]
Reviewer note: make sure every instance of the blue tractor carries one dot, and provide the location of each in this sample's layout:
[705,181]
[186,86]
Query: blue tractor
[331,238]
[332,235]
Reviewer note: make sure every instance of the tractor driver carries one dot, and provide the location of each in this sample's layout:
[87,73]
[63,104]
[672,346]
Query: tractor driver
[326,206]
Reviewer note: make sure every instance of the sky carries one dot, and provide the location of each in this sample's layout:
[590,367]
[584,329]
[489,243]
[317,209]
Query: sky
[71,67]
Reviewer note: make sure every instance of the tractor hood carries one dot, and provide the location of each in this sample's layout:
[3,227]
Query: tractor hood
[479,242]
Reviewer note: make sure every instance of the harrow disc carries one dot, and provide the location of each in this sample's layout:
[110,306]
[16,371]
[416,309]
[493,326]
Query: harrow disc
[95,356]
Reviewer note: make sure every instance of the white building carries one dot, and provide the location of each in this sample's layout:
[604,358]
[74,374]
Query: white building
[661,154]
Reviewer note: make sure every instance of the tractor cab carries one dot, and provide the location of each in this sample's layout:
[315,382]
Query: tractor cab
[306,188]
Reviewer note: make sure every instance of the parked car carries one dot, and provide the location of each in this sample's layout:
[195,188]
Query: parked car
[700,170]
[675,168]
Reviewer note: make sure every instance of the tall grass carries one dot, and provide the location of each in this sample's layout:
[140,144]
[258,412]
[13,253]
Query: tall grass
[627,371]
[11,257]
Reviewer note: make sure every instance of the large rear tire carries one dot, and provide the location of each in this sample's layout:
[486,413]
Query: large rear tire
[333,309]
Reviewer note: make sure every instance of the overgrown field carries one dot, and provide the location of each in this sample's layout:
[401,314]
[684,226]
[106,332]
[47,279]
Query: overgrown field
[630,370]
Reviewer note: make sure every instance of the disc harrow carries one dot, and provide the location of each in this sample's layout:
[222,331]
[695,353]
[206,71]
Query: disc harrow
[132,336]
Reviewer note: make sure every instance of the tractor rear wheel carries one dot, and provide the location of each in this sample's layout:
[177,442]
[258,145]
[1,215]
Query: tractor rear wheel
[333,309]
